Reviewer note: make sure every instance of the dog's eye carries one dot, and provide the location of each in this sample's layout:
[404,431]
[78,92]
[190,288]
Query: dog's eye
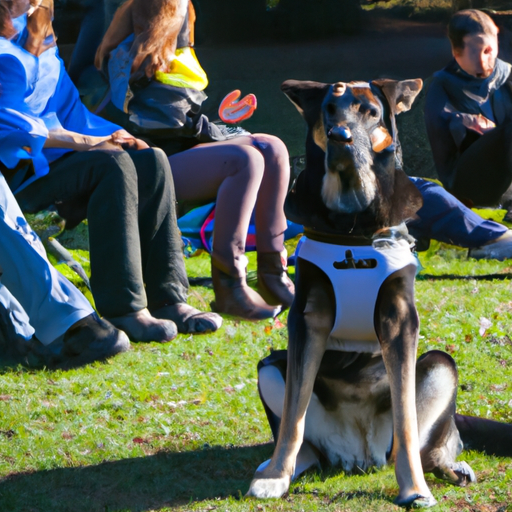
[373,112]
[358,107]
[331,109]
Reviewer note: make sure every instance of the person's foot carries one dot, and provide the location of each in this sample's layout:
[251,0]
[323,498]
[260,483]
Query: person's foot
[91,339]
[189,320]
[142,326]
[273,281]
[234,297]
[499,249]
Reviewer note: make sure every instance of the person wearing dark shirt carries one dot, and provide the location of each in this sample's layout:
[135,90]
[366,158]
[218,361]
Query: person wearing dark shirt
[468,113]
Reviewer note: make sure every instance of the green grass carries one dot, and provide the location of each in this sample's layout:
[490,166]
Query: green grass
[180,426]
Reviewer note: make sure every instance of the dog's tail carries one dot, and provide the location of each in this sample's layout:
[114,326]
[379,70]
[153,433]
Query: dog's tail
[488,436]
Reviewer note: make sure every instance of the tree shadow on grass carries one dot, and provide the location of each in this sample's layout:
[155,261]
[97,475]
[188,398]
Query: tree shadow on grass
[147,483]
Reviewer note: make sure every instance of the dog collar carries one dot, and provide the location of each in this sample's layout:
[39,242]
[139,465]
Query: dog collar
[336,239]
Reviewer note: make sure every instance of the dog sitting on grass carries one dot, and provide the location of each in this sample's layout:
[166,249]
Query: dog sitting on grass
[348,389]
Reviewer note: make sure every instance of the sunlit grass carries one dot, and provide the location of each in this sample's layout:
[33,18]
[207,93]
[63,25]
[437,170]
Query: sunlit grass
[180,426]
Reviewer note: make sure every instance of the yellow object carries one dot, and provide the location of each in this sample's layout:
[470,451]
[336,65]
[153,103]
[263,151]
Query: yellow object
[184,71]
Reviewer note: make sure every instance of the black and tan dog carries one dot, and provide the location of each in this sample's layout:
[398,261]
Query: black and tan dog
[353,326]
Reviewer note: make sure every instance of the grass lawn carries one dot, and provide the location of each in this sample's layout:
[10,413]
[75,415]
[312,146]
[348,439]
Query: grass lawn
[180,426]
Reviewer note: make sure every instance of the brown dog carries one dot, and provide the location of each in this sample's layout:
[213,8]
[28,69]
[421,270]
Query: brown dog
[353,326]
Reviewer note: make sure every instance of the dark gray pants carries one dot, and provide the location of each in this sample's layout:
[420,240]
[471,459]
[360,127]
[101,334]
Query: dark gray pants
[129,201]
[484,170]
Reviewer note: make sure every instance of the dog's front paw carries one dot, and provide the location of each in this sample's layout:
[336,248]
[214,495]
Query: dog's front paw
[416,501]
[269,487]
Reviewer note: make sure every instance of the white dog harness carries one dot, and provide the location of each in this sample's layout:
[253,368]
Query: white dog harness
[356,289]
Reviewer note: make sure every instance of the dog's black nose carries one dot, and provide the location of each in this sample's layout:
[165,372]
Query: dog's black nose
[340,134]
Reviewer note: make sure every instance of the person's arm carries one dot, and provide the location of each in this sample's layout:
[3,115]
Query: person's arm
[119,29]
[65,139]
[77,128]
[22,135]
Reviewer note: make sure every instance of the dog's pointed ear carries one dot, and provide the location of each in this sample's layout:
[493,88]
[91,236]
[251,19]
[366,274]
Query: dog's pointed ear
[399,95]
[307,97]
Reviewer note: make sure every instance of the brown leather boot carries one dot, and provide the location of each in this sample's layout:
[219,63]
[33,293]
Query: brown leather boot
[273,281]
[233,296]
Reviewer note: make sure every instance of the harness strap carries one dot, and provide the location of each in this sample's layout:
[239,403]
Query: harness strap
[336,239]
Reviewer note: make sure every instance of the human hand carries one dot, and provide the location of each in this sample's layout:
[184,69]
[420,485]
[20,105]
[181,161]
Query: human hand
[127,141]
[478,123]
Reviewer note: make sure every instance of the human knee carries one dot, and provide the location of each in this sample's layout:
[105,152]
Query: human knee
[155,162]
[273,149]
[116,165]
[247,160]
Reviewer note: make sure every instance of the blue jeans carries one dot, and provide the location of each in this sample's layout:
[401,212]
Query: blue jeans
[443,217]
[37,297]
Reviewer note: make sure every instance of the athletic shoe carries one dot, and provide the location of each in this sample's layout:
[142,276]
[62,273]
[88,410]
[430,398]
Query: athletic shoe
[230,132]
[499,249]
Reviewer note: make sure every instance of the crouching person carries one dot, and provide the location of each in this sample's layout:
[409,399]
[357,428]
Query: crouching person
[56,153]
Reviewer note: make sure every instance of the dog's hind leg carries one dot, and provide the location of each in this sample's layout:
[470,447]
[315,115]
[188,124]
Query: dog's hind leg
[436,394]
[310,322]
[397,325]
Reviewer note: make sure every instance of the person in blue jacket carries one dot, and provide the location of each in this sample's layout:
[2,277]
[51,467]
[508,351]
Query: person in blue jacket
[54,153]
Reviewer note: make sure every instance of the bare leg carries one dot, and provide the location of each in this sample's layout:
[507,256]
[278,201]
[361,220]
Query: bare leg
[270,218]
[242,173]
[232,172]
[273,281]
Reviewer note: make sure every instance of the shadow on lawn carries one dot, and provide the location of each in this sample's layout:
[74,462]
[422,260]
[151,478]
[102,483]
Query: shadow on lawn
[146,483]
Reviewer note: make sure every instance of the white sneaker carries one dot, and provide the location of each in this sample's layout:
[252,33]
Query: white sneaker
[230,132]
[499,249]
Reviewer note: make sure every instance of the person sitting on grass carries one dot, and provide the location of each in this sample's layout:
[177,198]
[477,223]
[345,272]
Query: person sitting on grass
[55,153]
[243,172]
[41,301]
[468,115]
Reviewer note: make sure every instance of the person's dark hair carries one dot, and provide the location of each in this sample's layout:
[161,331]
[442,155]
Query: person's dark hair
[469,22]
